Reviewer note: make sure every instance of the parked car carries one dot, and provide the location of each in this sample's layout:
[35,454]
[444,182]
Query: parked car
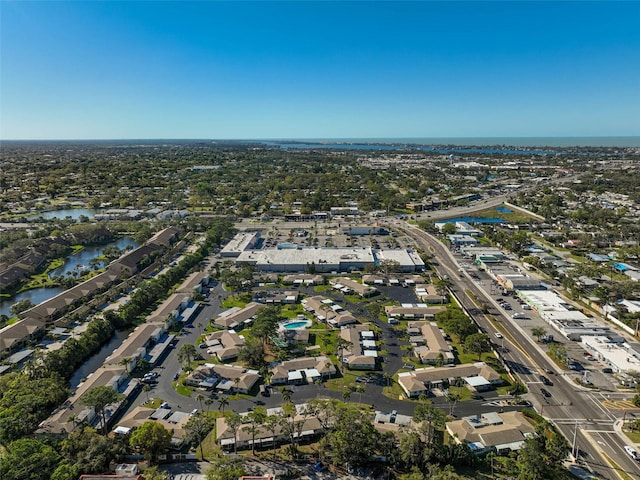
[607,370]
[165,405]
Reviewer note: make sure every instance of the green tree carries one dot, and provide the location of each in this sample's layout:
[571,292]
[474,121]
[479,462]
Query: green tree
[225,468]
[89,452]
[21,306]
[252,353]
[234,422]
[448,229]
[28,459]
[152,439]
[256,419]
[477,343]
[539,332]
[223,402]
[98,398]
[154,473]
[198,427]
[186,354]
[352,440]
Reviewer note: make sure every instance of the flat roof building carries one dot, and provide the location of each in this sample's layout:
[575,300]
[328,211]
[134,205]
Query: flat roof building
[238,244]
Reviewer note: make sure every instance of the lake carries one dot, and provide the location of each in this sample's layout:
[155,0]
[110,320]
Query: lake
[74,213]
[82,258]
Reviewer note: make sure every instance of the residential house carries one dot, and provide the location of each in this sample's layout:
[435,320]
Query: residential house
[302,370]
[235,318]
[429,344]
[500,432]
[477,376]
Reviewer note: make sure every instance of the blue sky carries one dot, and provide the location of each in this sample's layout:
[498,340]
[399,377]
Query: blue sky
[102,70]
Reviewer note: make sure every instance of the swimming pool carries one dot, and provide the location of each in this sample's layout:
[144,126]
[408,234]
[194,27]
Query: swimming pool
[299,324]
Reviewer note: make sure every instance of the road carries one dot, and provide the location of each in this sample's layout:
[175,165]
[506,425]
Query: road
[569,405]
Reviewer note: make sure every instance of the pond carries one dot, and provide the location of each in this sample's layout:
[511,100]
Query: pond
[37,295]
[80,262]
[77,262]
[473,220]
[74,213]
[98,359]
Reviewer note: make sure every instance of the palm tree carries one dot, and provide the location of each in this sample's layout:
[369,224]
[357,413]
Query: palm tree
[341,345]
[452,398]
[199,399]
[147,389]
[236,381]
[234,420]
[223,402]
[346,394]
[271,424]
[359,389]
[186,354]
[539,332]
[256,419]
[388,379]
[208,402]
[286,394]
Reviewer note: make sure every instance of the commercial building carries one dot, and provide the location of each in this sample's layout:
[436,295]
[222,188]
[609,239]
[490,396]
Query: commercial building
[561,315]
[238,244]
[327,260]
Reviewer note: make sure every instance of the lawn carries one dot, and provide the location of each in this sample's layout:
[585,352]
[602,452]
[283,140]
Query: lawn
[633,436]
[239,300]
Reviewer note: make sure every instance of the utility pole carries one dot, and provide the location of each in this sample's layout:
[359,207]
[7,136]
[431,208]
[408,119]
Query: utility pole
[574,449]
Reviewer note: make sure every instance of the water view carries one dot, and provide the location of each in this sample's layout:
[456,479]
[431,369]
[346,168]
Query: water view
[80,262]
[73,213]
[75,263]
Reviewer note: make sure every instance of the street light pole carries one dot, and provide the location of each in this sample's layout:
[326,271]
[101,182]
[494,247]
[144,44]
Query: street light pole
[574,450]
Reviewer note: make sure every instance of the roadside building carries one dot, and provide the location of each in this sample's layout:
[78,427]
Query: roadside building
[309,428]
[429,344]
[74,413]
[499,432]
[238,244]
[303,279]
[412,311]
[477,377]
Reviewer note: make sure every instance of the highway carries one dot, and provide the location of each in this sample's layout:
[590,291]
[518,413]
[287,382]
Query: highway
[578,412]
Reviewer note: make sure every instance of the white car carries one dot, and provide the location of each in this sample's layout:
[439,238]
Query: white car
[633,453]
[498,335]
